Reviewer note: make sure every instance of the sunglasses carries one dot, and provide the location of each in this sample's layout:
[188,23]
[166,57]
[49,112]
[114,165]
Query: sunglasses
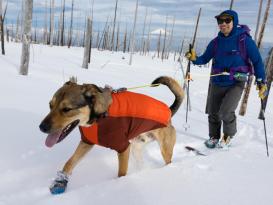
[226,20]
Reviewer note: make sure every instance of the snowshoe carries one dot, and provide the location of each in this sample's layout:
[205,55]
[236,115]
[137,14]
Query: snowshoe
[211,142]
[59,184]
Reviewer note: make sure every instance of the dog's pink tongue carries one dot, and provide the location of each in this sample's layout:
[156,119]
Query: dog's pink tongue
[52,139]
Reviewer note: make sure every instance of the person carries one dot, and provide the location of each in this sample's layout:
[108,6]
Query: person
[231,51]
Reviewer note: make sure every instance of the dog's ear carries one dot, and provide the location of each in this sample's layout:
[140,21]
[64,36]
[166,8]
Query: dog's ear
[99,98]
[70,83]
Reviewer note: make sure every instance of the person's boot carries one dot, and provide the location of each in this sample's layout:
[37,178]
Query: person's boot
[211,142]
[225,141]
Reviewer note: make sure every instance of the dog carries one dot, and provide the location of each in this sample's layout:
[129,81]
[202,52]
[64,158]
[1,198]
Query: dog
[110,119]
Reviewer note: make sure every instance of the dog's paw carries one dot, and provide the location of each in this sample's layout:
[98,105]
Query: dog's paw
[59,184]
[58,187]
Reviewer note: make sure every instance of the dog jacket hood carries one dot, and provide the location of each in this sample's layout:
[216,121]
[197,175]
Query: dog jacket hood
[129,115]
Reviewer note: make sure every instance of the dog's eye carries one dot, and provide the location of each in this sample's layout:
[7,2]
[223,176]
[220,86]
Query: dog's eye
[50,106]
[66,109]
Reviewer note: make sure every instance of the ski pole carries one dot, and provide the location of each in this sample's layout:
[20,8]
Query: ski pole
[188,86]
[189,66]
[265,134]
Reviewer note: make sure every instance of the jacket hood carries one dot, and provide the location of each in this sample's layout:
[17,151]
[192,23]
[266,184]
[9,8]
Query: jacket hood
[235,19]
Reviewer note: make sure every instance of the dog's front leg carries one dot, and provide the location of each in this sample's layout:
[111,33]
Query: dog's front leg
[123,159]
[82,149]
[60,183]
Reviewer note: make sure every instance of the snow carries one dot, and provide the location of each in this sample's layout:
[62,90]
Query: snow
[240,175]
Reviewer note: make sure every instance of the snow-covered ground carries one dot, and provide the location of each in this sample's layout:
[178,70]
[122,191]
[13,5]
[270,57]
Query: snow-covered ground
[241,175]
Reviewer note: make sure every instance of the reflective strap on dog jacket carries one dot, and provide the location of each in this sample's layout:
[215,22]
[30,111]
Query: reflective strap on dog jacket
[129,115]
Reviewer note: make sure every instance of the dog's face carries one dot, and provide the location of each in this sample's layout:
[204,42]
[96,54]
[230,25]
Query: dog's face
[73,105]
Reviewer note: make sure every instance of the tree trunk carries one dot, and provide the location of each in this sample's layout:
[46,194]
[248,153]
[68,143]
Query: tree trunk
[132,44]
[62,25]
[17,30]
[264,23]
[87,43]
[71,26]
[231,4]
[125,40]
[2,29]
[258,20]
[26,37]
[147,46]
[142,46]
[117,40]
[114,27]
[158,44]
[164,42]
[51,33]
[91,40]
[247,89]
[7,33]
[45,26]
[170,40]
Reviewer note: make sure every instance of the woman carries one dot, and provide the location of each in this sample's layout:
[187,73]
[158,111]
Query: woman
[231,51]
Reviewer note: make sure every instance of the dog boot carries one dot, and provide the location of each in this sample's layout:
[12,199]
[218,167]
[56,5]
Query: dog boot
[59,184]
[211,142]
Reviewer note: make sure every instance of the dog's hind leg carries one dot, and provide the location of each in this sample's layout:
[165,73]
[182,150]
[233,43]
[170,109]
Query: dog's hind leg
[166,140]
[123,159]
[82,149]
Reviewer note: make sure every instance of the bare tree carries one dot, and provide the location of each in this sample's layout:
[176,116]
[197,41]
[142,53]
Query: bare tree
[258,20]
[35,31]
[114,26]
[62,25]
[147,45]
[158,43]
[117,40]
[170,39]
[103,34]
[231,4]
[91,39]
[98,39]
[182,46]
[132,43]
[45,26]
[143,32]
[17,35]
[266,14]
[51,30]
[26,37]
[125,40]
[2,28]
[247,89]
[164,42]
[2,20]
[7,33]
[71,26]
[87,43]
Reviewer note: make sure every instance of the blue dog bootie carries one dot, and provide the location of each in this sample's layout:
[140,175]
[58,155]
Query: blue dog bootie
[59,184]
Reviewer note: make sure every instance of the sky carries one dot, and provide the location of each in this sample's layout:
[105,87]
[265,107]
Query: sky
[183,11]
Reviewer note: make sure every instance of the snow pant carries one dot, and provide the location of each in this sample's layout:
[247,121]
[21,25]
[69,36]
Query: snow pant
[223,102]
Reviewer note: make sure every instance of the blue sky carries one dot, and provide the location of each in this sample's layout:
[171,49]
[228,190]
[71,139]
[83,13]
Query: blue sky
[184,12]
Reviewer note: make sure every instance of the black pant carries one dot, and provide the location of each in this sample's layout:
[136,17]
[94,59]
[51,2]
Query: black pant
[223,102]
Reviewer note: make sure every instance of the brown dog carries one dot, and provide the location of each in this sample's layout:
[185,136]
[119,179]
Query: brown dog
[105,119]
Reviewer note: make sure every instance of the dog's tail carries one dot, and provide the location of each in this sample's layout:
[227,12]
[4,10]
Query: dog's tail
[176,90]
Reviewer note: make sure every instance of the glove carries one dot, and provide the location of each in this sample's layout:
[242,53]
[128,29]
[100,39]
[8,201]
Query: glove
[191,55]
[262,88]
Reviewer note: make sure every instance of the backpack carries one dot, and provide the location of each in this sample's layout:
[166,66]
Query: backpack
[241,42]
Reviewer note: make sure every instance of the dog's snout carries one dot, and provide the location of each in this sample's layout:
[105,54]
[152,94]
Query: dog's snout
[44,126]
